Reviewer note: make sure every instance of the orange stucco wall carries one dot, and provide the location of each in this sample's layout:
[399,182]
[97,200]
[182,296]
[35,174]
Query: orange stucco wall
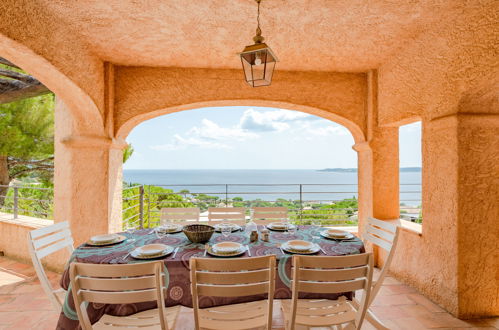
[143,93]
[446,75]
[452,69]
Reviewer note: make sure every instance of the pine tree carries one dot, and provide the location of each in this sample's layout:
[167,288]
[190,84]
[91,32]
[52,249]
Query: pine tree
[26,140]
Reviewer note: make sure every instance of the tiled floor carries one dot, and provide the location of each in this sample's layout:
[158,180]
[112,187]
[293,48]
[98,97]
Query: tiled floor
[23,305]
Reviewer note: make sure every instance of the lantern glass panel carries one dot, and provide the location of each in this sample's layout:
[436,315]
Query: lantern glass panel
[258,67]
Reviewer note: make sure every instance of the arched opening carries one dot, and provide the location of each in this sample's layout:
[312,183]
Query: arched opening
[81,105]
[225,163]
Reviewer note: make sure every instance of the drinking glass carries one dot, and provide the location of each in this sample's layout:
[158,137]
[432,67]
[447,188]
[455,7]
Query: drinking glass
[291,229]
[160,233]
[130,229]
[225,229]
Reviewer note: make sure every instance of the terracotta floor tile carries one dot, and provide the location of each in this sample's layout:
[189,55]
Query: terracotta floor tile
[441,320]
[409,323]
[24,305]
[388,312]
[392,300]
[423,301]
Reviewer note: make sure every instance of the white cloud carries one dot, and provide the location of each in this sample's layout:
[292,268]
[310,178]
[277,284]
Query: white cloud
[328,130]
[180,142]
[212,131]
[271,121]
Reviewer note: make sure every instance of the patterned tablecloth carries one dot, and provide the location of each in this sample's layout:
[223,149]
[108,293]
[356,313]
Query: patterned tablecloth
[177,270]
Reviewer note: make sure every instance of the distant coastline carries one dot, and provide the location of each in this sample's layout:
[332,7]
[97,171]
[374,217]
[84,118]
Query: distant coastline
[354,170]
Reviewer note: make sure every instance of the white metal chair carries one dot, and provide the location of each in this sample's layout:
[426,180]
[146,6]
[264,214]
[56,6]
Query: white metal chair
[43,242]
[218,215]
[121,284]
[233,278]
[384,235]
[328,275]
[266,215]
[180,215]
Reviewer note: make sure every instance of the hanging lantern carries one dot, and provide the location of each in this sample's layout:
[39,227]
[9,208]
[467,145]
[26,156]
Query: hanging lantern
[258,60]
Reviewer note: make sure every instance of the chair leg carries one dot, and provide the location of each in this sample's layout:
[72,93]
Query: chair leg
[375,321]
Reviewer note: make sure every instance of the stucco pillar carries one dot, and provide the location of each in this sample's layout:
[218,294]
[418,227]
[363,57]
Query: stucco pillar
[365,183]
[87,178]
[461,211]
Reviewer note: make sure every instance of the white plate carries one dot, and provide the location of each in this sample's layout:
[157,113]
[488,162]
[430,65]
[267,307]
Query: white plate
[232,229]
[119,239]
[272,226]
[300,245]
[106,238]
[226,247]
[230,252]
[313,250]
[170,229]
[326,235]
[151,251]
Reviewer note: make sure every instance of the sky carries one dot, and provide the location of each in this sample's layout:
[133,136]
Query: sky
[251,138]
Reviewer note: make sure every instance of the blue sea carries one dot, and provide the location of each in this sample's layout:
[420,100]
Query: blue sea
[269,184]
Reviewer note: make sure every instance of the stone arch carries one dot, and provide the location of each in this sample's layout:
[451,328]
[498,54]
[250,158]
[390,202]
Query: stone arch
[83,108]
[354,129]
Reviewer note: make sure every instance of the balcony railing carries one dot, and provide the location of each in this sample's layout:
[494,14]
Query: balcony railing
[29,200]
[327,204]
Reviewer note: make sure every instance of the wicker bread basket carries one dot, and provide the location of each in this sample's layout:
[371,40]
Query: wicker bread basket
[198,233]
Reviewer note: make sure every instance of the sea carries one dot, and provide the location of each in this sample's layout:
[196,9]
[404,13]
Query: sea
[269,185]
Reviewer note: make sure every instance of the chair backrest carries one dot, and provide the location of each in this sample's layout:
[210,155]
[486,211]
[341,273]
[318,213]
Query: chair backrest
[233,278]
[43,242]
[180,215]
[266,215]
[384,235]
[226,214]
[332,275]
[117,284]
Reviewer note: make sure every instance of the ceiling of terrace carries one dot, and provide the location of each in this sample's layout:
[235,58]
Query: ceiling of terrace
[315,35]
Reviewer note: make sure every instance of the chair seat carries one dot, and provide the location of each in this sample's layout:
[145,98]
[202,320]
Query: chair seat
[320,313]
[143,320]
[235,317]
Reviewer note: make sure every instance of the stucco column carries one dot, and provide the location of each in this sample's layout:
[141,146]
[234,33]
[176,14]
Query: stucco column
[461,210]
[87,178]
[365,183]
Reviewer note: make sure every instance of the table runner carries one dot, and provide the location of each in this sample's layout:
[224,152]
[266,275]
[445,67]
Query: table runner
[177,270]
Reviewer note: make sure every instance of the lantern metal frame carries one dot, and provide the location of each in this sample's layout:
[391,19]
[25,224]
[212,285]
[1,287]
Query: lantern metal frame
[259,50]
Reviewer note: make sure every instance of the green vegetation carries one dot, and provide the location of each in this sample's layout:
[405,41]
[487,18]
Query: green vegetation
[27,141]
[339,213]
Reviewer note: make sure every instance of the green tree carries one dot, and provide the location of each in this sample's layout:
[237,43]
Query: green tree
[127,153]
[26,140]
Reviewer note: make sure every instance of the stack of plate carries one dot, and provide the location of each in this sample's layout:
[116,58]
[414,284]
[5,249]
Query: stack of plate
[227,249]
[336,234]
[233,227]
[106,239]
[170,228]
[279,226]
[300,247]
[151,251]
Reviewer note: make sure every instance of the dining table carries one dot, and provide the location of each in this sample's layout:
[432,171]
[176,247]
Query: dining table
[177,272]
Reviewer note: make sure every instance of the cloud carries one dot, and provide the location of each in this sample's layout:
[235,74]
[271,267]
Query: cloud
[271,121]
[180,142]
[212,131]
[327,130]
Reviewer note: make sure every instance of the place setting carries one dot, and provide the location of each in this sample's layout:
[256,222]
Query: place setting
[226,249]
[337,235]
[105,240]
[300,247]
[281,226]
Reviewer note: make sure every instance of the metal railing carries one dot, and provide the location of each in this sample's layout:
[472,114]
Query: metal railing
[27,200]
[142,203]
[306,202]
